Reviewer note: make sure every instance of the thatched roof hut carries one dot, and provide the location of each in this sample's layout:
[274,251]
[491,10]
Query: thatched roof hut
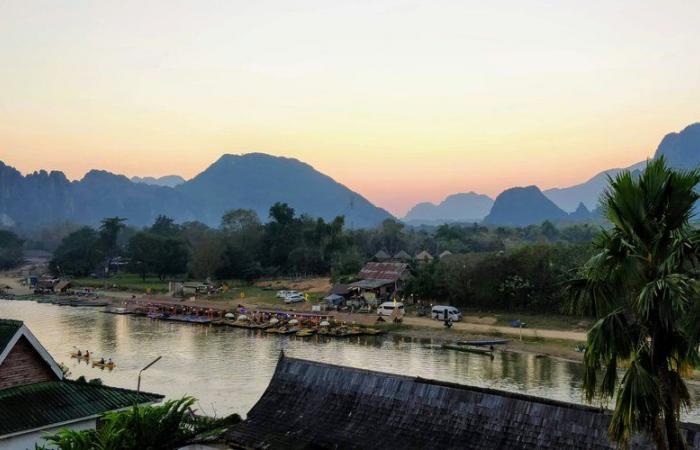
[402,256]
[381,255]
[445,254]
[315,405]
[424,256]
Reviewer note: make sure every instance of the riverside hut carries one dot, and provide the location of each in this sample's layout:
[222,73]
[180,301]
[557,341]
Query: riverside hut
[316,405]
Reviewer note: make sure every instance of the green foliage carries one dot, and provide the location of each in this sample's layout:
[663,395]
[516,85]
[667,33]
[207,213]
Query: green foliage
[165,426]
[109,232]
[152,253]
[640,285]
[79,254]
[11,254]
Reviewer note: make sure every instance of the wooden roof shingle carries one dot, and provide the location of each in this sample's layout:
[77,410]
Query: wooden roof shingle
[316,405]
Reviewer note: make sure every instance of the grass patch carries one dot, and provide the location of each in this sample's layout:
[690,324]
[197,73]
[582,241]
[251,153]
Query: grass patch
[124,282]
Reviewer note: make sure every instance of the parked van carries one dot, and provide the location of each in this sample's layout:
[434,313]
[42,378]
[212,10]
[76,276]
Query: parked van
[439,312]
[387,308]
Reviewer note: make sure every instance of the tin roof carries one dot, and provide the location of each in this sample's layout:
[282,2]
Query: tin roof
[39,405]
[392,271]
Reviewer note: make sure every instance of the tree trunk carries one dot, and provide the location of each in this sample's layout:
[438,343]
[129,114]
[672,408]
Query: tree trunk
[674,437]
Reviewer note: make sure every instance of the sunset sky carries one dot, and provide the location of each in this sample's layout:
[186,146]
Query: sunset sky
[402,101]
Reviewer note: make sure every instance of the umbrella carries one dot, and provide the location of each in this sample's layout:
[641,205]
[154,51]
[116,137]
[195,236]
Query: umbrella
[230,315]
[274,320]
[325,323]
[242,317]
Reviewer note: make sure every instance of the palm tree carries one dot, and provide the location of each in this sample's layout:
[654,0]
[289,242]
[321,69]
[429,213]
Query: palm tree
[109,232]
[641,287]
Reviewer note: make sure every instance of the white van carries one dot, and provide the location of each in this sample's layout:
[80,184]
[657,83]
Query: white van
[294,298]
[387,308]
[438,312]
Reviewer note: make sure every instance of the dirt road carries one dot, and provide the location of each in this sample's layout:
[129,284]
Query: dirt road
[478,328]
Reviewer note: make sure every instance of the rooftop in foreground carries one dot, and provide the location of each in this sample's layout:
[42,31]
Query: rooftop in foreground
[316,405]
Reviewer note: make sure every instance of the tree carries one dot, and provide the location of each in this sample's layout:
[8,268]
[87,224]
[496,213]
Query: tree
[641,287]
[78,254]
[159,255]
[109,232]
[11,254]
[165,226]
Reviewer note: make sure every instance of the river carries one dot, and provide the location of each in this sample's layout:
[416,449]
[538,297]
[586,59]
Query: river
[228,369]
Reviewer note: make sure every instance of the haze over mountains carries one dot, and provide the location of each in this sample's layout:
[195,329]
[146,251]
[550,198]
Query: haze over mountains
[468,207]
[255,181]
[578,203]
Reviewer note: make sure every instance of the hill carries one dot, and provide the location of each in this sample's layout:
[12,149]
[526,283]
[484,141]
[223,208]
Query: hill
[253,181]
[167,180]
[256,181]
[681,150]
[588,192]
[466,207]
[522,206]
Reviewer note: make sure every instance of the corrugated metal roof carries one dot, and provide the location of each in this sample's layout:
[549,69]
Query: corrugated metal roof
[317,405]
[41,404]
[370,284]
[383,271]
[8,328]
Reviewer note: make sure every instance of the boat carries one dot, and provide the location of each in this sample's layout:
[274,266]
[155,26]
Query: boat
[306,332]
[188,318]
[79,356]
[104,365]
[116,311]
[484,342]
[464,348]
[372,331]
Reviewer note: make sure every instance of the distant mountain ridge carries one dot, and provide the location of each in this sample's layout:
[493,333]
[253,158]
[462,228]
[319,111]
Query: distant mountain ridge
[167,180]
[681,151]
[464,207]
[254,181]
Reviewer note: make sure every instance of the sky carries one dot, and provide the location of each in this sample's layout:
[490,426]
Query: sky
[402,101]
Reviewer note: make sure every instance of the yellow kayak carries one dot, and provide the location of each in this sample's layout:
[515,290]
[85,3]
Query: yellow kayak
[107,365]
[81,356]
[305,332]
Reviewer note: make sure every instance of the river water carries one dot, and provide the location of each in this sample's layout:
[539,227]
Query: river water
[228,369]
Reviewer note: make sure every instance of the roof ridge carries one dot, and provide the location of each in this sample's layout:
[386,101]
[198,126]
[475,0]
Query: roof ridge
[465,387]
[106,386]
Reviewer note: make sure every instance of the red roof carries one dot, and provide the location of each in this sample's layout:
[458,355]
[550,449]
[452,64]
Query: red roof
[383,271]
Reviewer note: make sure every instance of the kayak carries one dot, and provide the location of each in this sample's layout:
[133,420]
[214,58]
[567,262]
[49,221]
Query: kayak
[463,348]
[484,342]
[305,332]
[81,356]
[106,365]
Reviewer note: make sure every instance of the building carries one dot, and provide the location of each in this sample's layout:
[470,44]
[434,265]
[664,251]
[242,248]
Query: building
[381,255]
[379,280]
[424,257]
[36,398]
[402,256]
[316,405]
[445,254]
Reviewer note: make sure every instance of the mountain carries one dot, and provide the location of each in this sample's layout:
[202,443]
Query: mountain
[522,206]
[681,150]
[468,207]
[256,181]
[167,180]
[253,181]
[588,192]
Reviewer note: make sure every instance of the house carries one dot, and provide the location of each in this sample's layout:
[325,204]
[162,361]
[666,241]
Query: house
[402,256]
[445,254]
[424,257]
[381,255]
[329,406]
[378,280]
[36,398]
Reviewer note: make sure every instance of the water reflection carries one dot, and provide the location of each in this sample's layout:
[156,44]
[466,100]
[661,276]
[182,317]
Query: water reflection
[227,369]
